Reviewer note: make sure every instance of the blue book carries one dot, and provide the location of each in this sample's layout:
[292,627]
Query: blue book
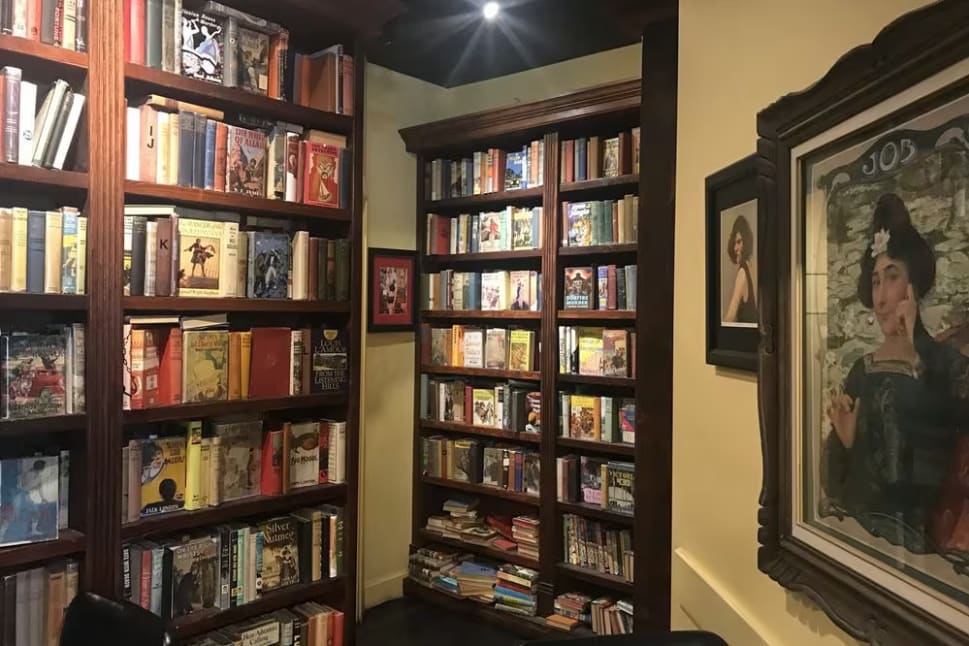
[515,171]
[515,595]
[198,157]
[470,568]
[28,500]
[268,265]
[186,148]
[69,253]
[36,233]
[210,128]
[580,145]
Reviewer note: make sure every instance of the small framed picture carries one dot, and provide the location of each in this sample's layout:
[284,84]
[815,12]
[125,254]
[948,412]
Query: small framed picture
[734,205]
[392,290]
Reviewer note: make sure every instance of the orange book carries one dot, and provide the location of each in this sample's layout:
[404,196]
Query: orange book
[144,369]
[34,13]
[278,45]
[221,152]
[321,180]
[273,460]
[235,365]
[457,345]
[170,368]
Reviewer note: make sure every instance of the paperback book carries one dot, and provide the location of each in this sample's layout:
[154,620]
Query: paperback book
[162,475]
[29,496]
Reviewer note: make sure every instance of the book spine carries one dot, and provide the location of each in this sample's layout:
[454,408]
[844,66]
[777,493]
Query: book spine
[80,38]
[234,554]
[145,144]
[133,145]
[47,119]
[228,273]
[186,148]
[6,250]
[48,8]
[139,234]
[57,130]
[230,55]
[126,256]
[175,36]
[151,258]
[193,467]
[25,136]
[221,152]
[134,480]
[215,475]
[245,362]
[69,27]
[136,392]
[167,36]
[53,247]
[66,137]
[69,251]
[199,146]
[11,114]
[235,367]
[211,127]
[225,566]
[153,33]
[136,26]
[18,26]
[167,581]
[157,578]
[292,167]
[33,19]
[174,137]
[163,258]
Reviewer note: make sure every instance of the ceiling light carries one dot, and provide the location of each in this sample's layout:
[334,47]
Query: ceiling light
[491,10]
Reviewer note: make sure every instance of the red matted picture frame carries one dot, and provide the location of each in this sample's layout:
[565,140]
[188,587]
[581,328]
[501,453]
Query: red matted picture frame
[393,290]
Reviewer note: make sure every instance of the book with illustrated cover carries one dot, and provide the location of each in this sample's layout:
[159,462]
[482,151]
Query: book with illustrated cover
[29,498]
[494,290]
[627,420]
[205,362]
[280,555]
[519,292]
[621,480]
[253,61]
[495,350]
[615,348]
[245,164]
[590,351]
[440,346]
[533,473]
[610,157]
[268,272]
[580,224]
[463,471]
[515,171]
[585,421]
[193,582]
[321,174]
[199,257]
[483,408]
[304,454]
[524,234]
[473,348]
[579,288]
[202,46]
[162,475]
[491,232]
[602,286]
[491,468]
[533,412]
[330,364]
[520,350]
[241,457]
[591,479]
[33,375]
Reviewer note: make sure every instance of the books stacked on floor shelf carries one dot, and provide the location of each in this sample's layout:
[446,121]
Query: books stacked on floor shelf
[508,406]
[510,229]
[43,372]
[596,351]
[39,135]
[607,484]
[572,610]
[601,222]
[35,601]
[597,547]
[524,531]
[486,171]
[478,462]
[468,346]
[597,418]
[603,615]
[487,291]
[62,25]
[595,157]
[516,590]
[606,287]
[308,624]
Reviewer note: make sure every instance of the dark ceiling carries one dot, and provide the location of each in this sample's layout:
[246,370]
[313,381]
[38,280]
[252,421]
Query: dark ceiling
[448,42]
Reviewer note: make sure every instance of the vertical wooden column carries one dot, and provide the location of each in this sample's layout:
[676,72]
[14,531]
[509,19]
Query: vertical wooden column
[417,488]
[550,531]
[105,209]
[654,347]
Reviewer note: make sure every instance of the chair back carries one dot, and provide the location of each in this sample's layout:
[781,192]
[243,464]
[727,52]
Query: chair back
[92,619]
[676,638]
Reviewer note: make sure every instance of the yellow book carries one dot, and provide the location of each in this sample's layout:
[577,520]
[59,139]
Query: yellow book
[520,350]
[590,351]
[172,134]
[235,365]
[162,155]
[53,241]
[457,345]
[245,360]
[193,464]
[6,246]
[215,471]
[18,250]
[81,254]
[206,470]
[585,421]
[163,475]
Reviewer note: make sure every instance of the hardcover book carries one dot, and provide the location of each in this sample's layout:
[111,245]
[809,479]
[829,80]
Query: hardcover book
[268,264]
[241,456]
[194,583]
[579,288]
[440,346]
[245,162]
[585,422]
[199,257]
[491,468]
[330,364]
[495,350]
[29,496]
[473,348]
[520,290]
[280,555]
[610,157]
[304,454]
[627,420]
[202,46]
[580,224]
[621,481]
[272,358]
[205,375]
[515,171]
[520,350]
[524,233]
[591,479]
[483,408]
[162,475]
[321,174]
[253,53]
[491,232]
[533,412]
[33,375]
[494,290]
[614,353]
[590,351]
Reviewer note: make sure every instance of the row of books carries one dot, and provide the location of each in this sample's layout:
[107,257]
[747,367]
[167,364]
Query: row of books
[604,615]
[38,137]
[599,222]
[231,565]
[595,157]
[603,287]
[308,624]
[177,251]
[171,360]
[43,373]
[480,462]
[597,351]
[482,290]
[473,347]
[596,481]
[597,418]
[34,602]
[510,229]
[510,406]
[62,24]
[597,546]
[34,497]
[486,171]
[462,522]
[192,146]
[212,463]
[43,252]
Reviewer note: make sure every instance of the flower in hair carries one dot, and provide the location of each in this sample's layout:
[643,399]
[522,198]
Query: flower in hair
[880,244]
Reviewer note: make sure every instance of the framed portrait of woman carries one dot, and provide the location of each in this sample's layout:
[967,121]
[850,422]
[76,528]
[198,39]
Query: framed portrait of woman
[393,285]
[864,360]
[734,205]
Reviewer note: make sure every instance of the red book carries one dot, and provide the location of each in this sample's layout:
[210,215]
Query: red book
[569,160]
[611,293]
[271,478]
[346,70]
[34,13]
[170,368]
[272,355]
[221,151]
[321,168]
[59,23]
[442,239]
[146,578]
[144,369]
[136,25]
[337,628]
[127,30]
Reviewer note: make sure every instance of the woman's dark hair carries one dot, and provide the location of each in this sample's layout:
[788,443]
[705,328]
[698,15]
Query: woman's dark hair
[741,226]
[905,244]
[148,451]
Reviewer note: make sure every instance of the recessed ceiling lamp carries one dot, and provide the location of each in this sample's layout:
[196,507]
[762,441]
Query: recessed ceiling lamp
[491,10]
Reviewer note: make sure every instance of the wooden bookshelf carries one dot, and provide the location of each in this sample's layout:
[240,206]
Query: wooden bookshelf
[601,250]
[483,490]
[595,380]
[487,200]
[45,302]
[232,407]
[46,178]
[24,52]
[483,256]
[497,315]
[599,579]
[482,372]
[483,550]
[175,304]
[68,543]
[40,425]
[607,448]
[597,315]
[595,511]
[483,431]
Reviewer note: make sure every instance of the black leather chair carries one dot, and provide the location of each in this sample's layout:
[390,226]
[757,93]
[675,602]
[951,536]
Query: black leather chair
[91,619]
[678,638]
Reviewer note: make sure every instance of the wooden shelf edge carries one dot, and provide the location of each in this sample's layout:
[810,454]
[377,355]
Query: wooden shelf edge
[483,256]
[595,380]
[482,550]
[483,199]
[210,409]
[38,425]
[43,176]
[630,181]
[58,302]
[484,431]
[532,375]
[597,315]
[610,448]
[599,250]
[235,509]
[610,581]
[483,490]
[481,314]
[592,511]
[36,50]
[185,304]
[68,543]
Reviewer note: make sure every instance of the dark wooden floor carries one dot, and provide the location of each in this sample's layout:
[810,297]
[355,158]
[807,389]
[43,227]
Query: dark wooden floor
[408,622]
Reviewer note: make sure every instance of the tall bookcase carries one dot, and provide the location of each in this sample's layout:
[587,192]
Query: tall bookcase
[95,438]
[598,110]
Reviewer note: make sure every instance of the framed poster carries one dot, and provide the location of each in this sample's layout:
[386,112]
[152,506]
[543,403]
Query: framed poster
[864,364]
[734,202]
[392,290]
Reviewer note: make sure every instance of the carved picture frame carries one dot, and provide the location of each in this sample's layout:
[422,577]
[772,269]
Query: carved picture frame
[913,65]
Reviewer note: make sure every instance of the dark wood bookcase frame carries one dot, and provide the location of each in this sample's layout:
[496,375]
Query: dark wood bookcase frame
[96,436]
[652,106]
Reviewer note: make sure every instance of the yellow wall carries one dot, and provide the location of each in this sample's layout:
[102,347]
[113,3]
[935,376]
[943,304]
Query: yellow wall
[735,58]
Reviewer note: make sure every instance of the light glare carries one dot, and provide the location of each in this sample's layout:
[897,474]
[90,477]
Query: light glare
[491,10]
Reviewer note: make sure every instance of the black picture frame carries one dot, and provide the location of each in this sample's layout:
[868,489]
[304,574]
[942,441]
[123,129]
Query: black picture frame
[379,321]
[737,184]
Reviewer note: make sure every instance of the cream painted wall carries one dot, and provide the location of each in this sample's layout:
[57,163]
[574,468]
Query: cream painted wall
[735,58]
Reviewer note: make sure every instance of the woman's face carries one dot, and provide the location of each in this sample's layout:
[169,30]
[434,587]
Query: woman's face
[738,248]
[889,284]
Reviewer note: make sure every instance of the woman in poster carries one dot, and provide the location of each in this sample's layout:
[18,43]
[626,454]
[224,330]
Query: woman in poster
[742,307]
[897,422]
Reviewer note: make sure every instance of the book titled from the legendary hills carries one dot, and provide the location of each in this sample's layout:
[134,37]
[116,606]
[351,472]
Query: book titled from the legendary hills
[193,581]
[245,162]
[29,497]
[280,552]
[33,375]
[321,174]
[241,456]
[268,269]
[162,475]
[330,364]
[199,257]
[205,362]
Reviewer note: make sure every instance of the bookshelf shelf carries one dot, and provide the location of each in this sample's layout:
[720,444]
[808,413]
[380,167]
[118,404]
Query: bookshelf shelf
[630,182]
[502,315]
[207,621]
[483,550]
[607,448]
[40,425]
[610,581]
[52,179]
[212,409]
[484,257]
[483,490]
[25,52]
[50,302]
[233,201]
[501,198]
[176,304]
[69,543]
[597,315]
[618,382]
[468,429]
[628,248]
[482,372]
[244,508]
[594,511]
[146,80]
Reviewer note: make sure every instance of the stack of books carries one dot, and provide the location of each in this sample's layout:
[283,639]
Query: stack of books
[595,157]
[597,351]
[59,24]
[426,565]
[524,531]
[606,287]
[510,406]
[34,498]
[39,137]
[597,418]
[308,624]
[42,372]
[511,229]
[232,565]
[611,617]
[572,610]
[595,546]
[486,171]
[475,581]
[43,252]
[515,590]
[488,290]
[481,462]
[34,602]
[586,224]
[607,484]
[466,346]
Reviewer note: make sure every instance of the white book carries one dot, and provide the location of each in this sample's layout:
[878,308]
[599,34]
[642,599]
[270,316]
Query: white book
[133,144]
[494,290]
[19,26]
[229,272]
[47,117]
[173,133]
[474,348]
[151,259]
[81,254]
[163,142]
[69,18]
[70,127]
[301,263]
[336,461]
[28,108]
[292,177]
[18,250]
[53,250]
